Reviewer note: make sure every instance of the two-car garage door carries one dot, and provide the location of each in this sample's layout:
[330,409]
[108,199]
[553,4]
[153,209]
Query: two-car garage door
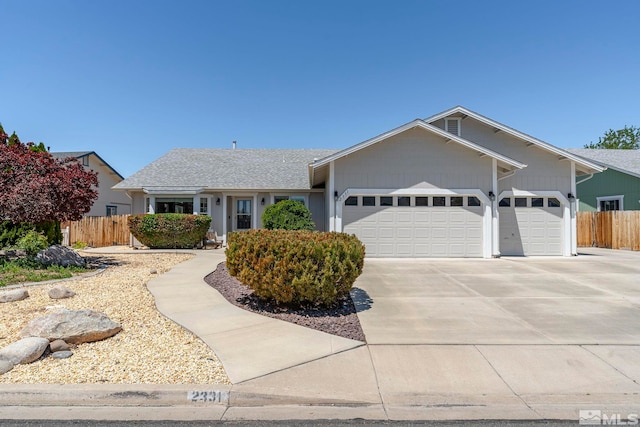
[416,226]
[452,226]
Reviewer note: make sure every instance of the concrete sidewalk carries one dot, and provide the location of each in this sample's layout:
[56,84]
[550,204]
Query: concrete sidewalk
[284,371]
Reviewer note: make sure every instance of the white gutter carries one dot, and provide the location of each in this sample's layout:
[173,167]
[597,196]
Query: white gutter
[508,175]
[586,179]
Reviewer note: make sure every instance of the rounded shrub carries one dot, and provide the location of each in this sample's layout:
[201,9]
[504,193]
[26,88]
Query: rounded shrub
[169,231]
[296,267]
[32,242]
[10,233]
[287,215]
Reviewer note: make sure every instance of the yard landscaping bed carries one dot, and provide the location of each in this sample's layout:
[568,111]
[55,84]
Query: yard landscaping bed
[340,320]
[150,349]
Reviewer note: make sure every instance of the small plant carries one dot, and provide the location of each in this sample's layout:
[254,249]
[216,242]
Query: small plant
[169,231]
[32,243]
[296,267]
[287,215]
[29,270]
[79,245]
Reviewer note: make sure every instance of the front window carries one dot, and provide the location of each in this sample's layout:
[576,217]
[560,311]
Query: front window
[204,205]
[112,210]
[300,199]
[277,199]
[174,205]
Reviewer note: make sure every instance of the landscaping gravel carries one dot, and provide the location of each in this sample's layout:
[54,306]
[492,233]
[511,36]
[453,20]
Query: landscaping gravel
[150,349]
[340,320]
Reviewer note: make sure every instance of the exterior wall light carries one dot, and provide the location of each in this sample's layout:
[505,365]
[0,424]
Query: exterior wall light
[218,201]
[570,196]
[335,196]
[492,196]
[262,201]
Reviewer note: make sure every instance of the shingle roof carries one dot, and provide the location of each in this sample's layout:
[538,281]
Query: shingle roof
[78,154]
[185,169]
[65,154]
[627,161]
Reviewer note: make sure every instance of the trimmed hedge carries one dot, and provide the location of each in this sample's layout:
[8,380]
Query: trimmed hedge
[296,267]
[169,231]
[287,215]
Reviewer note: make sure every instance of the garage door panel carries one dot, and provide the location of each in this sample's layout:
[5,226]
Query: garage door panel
[421,217]
[385,216]
[404,233]
[421,233]
[457,233]
[385,232]
[438,233]
[404,217]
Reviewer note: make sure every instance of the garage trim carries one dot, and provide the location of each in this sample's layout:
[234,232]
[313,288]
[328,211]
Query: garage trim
[486,219]
[566,212]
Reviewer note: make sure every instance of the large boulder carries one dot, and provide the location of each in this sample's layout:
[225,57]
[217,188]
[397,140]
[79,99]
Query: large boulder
[60,292]
[14,295]
[5,366]
[26,350]
[72,326]
[60,255]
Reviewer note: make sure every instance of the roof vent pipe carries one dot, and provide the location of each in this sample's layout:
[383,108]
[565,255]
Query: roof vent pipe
[234,145]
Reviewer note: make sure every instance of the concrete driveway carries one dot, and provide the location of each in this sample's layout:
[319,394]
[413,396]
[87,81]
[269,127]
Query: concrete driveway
[590,299]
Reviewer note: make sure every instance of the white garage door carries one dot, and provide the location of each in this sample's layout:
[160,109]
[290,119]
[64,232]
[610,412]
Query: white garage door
[530,226]
[416,226]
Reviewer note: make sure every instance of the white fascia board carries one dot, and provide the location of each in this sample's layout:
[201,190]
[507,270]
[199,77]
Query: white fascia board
[517,134]
[424,125]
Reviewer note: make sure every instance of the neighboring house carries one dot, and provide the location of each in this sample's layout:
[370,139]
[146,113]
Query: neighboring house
[109,202]
[617,188]
[456,184]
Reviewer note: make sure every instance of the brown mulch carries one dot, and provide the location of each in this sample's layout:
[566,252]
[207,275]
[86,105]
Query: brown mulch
[340,320]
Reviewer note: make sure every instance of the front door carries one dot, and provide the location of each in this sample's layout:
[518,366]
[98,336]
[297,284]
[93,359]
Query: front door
[243,214]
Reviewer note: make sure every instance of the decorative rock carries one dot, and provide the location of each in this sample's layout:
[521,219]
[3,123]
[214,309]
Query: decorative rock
[60,255]
[14,295]
[12,254]
[5,366]
[72,326]
[58,345]
[153,271]
[60,292]
[25,351]
[62,354]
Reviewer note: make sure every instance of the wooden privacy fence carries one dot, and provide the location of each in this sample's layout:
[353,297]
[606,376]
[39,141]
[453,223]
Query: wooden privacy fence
[612,229]
[99,231]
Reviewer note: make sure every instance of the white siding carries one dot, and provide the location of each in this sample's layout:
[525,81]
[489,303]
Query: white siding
[413,159]
[544,170]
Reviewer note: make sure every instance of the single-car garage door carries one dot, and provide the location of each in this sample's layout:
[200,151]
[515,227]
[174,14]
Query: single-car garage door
[530,226]
[416,226]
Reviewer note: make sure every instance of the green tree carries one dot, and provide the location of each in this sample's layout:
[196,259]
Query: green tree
[625,139]
[287,215]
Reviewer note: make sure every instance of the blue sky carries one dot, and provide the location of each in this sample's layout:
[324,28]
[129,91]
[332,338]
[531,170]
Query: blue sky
[133,79]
